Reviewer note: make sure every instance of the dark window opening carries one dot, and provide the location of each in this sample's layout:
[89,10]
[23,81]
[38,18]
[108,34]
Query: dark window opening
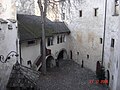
[77,53]
[96,9]
[61,39]
[10,27]
[100,40]
[57,39]
[50,41]
[112,42]
[80,13]
[29,62]
[63,16]
[87,56]
[31,42]
[70,54]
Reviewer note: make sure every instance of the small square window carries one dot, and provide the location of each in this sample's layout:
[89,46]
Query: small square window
[80,13]
[112,42]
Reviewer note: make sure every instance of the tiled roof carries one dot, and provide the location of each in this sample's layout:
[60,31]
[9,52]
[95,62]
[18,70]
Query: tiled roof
[29,27]
[23,77]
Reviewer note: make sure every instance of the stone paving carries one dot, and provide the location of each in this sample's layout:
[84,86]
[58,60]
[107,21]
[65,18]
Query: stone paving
[69,76]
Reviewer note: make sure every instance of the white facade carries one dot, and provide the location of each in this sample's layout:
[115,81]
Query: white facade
[8,39]
[33,51]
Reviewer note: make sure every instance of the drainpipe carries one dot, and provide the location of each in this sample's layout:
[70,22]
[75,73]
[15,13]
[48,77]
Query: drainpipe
[103,49]
[20,52]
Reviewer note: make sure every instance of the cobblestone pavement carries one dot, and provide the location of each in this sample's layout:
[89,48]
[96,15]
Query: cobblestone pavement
[69,76]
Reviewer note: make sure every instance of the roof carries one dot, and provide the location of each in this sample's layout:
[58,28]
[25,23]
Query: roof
[12,20]
[30,27]
[22,76]
[3,21]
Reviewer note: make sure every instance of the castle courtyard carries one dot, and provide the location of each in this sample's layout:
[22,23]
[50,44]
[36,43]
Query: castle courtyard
[69,76]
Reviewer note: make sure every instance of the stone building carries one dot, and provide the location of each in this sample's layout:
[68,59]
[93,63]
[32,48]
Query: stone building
[30,40]
[8,39]
[94,27]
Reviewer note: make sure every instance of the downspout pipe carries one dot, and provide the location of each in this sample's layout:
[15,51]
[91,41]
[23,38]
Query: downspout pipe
[104,33]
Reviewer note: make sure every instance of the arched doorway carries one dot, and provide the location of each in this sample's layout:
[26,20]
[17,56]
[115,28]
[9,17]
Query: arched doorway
[98,69]
[61,57]
[62,54]
[49,62]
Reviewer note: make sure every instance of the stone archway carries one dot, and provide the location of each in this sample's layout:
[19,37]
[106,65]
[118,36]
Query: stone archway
[62,54]
[50,62]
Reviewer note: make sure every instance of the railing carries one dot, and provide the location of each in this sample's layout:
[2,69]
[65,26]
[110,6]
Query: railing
[38,62]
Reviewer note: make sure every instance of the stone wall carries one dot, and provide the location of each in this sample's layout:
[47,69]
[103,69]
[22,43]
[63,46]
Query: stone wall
[87,30]
[7,39]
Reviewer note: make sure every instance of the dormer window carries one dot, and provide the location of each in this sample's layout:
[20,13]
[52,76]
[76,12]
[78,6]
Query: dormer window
[10,27]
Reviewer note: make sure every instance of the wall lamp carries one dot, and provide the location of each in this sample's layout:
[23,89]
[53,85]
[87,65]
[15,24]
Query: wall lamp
[9,56]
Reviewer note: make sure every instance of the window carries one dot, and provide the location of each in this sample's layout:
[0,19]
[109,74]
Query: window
[80,13]
[100,40]
[112,43]
[116,7]
[95,13]
[87,56]
[31,42]
[57,39]
[49,41]
[29,62]
[116,2]
[61,39]
[10,27]
[63,16]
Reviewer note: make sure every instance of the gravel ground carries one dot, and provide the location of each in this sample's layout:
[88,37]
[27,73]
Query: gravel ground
[69,76]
